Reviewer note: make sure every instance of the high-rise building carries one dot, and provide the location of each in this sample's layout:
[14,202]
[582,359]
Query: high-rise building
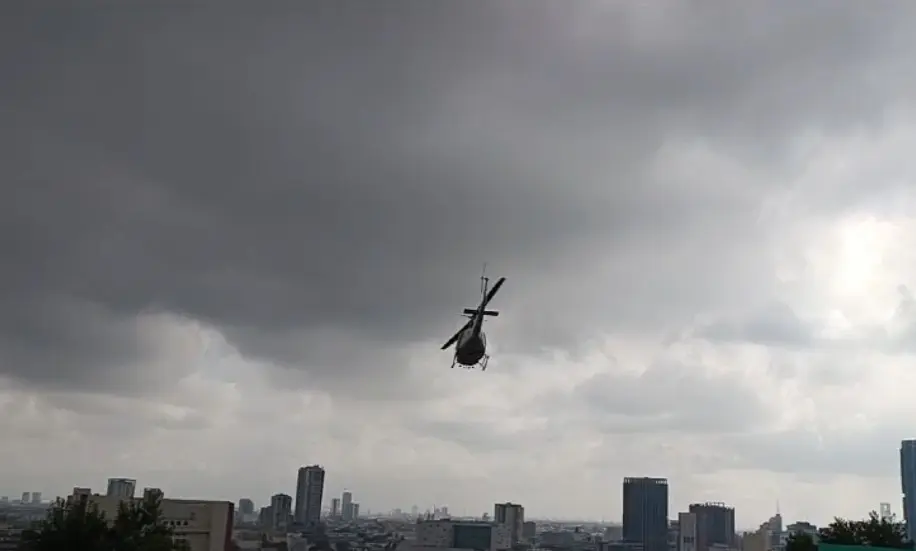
[36,497]
[309,492]
[346,506]
[246,506]
[908,485]
[124,488]
[25,497]
[513,516]
[281,506]
[354,511]
[715,524]
[335,507]
[645,512]
[774,525]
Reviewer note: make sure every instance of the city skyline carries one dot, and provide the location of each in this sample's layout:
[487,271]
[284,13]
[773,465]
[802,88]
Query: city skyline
[234,240]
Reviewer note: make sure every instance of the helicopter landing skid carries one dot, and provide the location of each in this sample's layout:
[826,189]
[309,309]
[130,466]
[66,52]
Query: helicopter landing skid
[482,364]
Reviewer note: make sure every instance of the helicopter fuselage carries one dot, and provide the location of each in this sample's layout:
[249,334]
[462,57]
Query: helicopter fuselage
[471,347]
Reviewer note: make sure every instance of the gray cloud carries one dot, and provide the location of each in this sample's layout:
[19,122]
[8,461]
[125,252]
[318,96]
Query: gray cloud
[775,325]
[670,397]
[274,177]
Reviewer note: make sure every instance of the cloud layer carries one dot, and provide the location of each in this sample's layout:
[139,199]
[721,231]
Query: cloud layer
[243,234]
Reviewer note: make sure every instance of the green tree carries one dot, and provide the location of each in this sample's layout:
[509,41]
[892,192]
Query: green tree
[874,531]
[76,527]
[800,542]
[138,526]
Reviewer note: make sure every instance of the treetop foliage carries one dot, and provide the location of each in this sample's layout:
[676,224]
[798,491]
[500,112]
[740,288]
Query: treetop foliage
[873,531]
[81,526]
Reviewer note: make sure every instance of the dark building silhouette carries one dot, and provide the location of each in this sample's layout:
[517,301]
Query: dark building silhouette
[309,494]
[645,512]
[715,524]
[908,485]
[246,506]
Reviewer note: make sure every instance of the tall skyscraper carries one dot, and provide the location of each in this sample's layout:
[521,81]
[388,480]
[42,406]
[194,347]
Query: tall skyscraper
[346,506]
[908,485]
[124,488]
[36,497]
[774,525]
[335,507]
[645,512]
[25,497]
[715,524]
[309,492]
[513,516]
[281,512]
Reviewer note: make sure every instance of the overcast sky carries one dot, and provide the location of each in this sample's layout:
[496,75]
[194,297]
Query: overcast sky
[233,240]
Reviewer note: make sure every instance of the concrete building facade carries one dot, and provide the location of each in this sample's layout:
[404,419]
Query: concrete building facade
[124,488]
[202,525]
[512,515]
[346,505]
[281,511]
[335,507]
[715,525]
[687,532]
[448,534]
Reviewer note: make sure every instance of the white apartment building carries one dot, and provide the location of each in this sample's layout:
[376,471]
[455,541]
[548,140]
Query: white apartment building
[203,525]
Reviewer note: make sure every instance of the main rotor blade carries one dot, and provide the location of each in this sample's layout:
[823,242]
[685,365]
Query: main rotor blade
[454,338]
[492,292]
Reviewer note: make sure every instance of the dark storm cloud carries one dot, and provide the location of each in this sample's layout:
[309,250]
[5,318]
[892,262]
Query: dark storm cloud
[292,171]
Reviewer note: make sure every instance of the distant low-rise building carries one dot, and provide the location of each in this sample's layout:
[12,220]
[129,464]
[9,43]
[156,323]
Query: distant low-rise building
[121,487]
[802,527]
[203,525]
[529,530]
[448,534]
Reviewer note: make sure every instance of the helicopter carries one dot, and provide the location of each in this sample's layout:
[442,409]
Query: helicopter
[470,341]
